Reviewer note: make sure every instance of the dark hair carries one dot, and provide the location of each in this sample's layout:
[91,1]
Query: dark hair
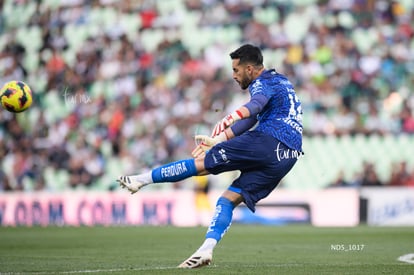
[248,54]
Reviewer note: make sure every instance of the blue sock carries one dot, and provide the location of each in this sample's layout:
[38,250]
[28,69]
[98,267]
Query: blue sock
[174,171]
[221,220]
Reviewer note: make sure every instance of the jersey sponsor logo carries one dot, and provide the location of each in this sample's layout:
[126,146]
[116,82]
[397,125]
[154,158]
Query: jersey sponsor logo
[174,170]
[288,153]
[296,126]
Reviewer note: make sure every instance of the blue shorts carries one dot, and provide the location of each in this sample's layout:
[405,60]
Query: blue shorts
[262,160]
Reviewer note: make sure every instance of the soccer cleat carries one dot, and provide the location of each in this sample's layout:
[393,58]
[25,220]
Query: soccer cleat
[132,183]
[198,259]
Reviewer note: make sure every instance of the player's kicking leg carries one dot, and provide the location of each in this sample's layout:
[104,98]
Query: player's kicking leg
[134,183]
[171,172]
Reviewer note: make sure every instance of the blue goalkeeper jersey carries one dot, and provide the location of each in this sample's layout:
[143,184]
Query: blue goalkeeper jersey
[281,117]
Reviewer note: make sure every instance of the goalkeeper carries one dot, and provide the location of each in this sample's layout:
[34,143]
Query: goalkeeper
[263,155]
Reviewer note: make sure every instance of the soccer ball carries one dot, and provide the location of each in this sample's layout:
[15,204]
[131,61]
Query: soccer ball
[16,96]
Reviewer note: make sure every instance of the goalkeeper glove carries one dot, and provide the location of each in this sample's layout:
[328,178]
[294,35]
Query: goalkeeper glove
[204,143]
[226,122]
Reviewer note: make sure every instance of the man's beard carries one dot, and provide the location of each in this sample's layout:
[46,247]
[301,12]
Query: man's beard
[244,84]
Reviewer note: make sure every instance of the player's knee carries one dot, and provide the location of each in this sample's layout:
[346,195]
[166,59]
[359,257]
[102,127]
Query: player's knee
[233,197]
[225,202]
[199,164]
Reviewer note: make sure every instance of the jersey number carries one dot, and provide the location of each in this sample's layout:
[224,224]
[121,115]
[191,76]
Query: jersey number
[295,110]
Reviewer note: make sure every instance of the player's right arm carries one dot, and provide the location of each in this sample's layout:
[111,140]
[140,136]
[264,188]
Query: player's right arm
[239,114]
[235,124]
[244,118]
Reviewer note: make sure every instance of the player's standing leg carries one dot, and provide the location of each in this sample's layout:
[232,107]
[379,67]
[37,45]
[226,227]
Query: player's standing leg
[219,225]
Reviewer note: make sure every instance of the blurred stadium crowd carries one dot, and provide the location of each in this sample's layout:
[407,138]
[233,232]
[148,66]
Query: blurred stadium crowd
[120,86]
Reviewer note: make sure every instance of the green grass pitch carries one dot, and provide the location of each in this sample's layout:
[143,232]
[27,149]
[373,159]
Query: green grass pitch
[246,249]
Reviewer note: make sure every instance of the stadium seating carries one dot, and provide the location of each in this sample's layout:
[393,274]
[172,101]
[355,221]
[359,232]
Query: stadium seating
[325,157]
[318,44]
